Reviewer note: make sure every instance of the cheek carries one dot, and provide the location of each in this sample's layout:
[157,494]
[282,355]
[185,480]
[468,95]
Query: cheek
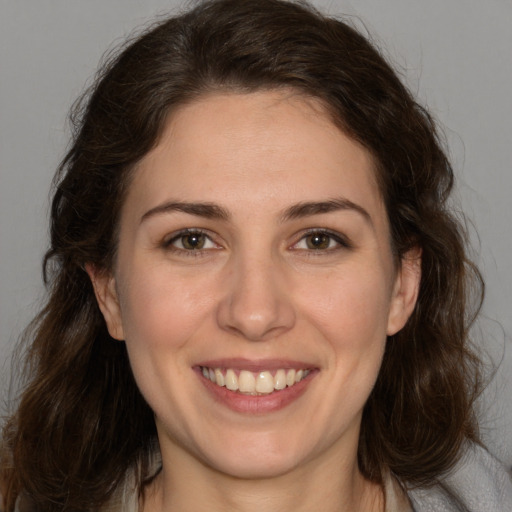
[161,313]
[352,308]
[160,310]
[349,311]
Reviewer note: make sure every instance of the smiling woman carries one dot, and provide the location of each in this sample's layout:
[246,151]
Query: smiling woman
[288,289]
[257,284]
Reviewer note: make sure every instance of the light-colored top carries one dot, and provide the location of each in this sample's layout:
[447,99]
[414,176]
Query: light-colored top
[396,498]
[478,483]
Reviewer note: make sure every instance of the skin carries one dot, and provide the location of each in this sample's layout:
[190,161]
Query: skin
[257,290]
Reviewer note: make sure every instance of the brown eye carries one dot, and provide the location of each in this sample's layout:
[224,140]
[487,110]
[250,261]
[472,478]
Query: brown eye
[322,240]
[193,241]
[318,241]
[190,241]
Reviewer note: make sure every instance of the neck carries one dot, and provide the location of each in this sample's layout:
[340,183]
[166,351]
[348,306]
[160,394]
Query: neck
[330,486]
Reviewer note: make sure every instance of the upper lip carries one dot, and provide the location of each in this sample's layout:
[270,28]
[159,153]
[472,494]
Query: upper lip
[256,365]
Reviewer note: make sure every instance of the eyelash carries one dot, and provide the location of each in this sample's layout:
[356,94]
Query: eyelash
[341,241]
[331,236]
[168,243]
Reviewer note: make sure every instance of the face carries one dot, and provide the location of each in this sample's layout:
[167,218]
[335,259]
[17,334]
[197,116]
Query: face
[255,284]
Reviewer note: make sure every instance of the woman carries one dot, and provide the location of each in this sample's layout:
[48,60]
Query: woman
[258,297]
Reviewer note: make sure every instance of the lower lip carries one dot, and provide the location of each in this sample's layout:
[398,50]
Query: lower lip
[257,404]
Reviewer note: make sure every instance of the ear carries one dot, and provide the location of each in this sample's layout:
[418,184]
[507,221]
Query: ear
[104,285]
[405,292]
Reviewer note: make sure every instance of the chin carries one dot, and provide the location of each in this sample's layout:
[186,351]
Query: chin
[264,468]
[255,460]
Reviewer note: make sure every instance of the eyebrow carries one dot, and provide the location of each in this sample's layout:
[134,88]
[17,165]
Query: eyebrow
[307,209]
[206,210]
[296,211]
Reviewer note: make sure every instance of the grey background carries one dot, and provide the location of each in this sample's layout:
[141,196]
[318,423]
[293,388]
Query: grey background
[456,55]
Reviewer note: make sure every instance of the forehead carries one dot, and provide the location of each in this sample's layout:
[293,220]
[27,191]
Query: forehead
[263,148]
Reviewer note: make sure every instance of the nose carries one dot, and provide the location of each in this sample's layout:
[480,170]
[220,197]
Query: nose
[257,304]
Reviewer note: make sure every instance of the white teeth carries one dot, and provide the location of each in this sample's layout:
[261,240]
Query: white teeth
[290,377]
[219,378]
[264,382]
[247,382]
[231,380]
[280,379]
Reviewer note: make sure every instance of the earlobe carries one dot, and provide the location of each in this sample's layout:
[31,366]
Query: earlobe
[104,285]
[406,289]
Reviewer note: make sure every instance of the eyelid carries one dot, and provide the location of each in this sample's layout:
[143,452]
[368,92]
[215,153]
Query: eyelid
[167,242]
[339,238]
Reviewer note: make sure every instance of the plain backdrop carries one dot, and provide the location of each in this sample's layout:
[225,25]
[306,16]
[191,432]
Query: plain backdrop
[455,55]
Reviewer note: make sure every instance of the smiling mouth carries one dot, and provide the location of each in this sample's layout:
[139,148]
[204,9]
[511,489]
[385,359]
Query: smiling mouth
[254,383]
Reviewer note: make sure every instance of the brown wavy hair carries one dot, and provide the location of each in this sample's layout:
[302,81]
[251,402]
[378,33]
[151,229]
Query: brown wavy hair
[81,422]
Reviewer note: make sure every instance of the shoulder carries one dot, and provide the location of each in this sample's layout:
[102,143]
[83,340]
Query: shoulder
[478,482]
